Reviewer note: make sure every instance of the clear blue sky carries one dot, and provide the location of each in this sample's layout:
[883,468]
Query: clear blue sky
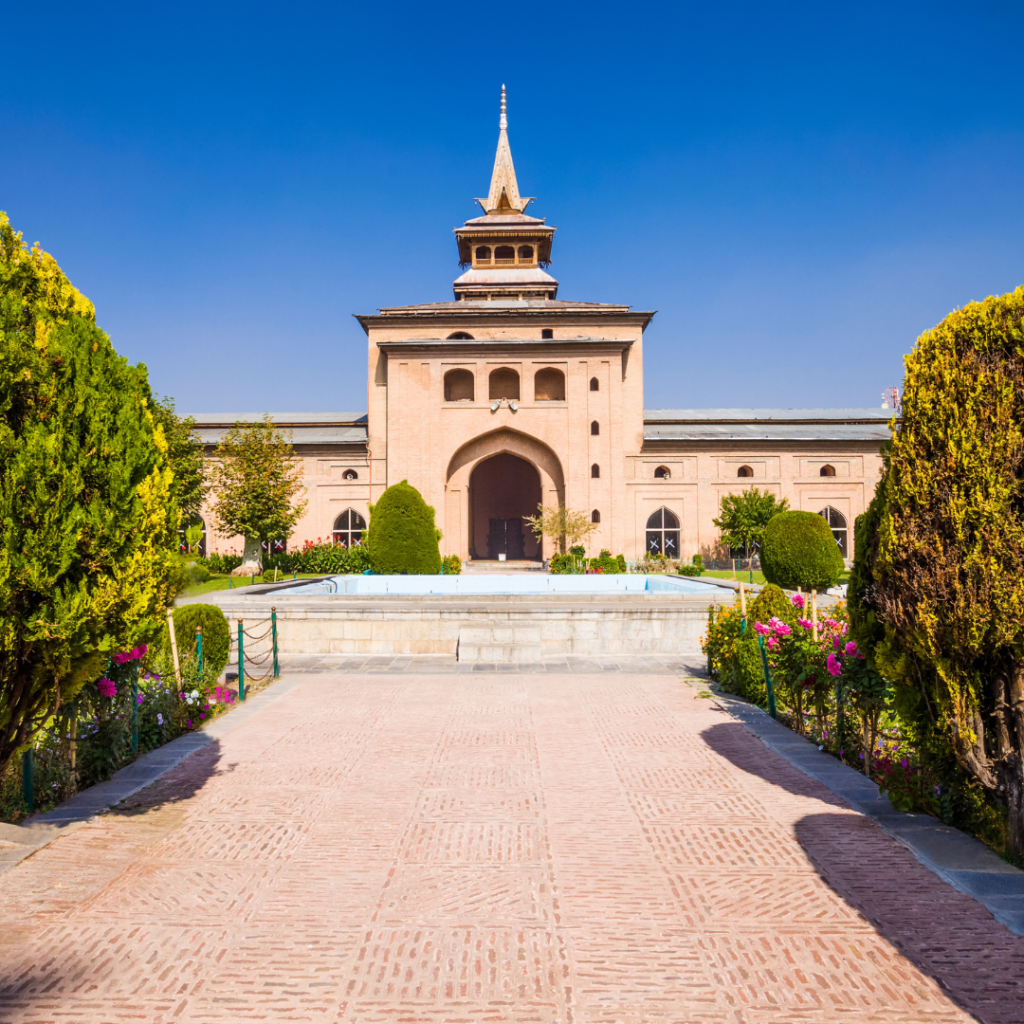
[800,189]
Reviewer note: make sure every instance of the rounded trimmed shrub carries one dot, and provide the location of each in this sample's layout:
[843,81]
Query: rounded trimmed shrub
[771,602]
[800,551]
[216,636]
[402,537]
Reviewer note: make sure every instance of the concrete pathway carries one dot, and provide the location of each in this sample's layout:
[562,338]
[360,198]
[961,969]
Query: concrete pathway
[422,849]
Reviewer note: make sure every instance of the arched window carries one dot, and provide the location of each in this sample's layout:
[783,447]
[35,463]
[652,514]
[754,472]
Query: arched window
[827,471]
[348,528]
[458,386]
[503,383]
[198,547]
[837,524]
[350,474]
[595,384]
[595,516]
[595,428]
[526,254]
[744,471]
[483,254]
[504,254]
[662,473]
[549,385]
[595,471]
[663,534]
[460,336]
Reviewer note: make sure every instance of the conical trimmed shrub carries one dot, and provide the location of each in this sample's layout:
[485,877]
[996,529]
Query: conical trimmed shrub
[402,537]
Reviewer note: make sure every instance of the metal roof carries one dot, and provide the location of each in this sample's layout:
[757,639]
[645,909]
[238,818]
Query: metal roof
[216,419]
[771,415]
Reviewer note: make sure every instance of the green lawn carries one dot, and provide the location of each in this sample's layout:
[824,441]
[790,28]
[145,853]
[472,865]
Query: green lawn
[227,582]
[743,575]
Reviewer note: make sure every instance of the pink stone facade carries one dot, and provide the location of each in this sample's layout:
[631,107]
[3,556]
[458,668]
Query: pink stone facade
[507,397]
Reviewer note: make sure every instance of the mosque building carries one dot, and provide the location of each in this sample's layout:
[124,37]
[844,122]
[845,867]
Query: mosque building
[508,397]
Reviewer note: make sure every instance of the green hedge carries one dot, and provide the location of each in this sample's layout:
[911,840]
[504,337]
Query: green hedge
[772,603]
[402,537]
[800,551]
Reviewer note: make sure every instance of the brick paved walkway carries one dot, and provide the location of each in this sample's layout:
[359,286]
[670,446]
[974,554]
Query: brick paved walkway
[432,849]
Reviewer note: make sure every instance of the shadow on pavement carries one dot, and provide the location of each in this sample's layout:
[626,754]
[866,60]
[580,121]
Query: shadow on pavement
[947,935]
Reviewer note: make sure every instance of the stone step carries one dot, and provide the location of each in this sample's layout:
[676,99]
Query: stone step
[504,642]
[487,567]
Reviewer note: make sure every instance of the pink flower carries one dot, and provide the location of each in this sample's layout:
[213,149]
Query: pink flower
[851,648]
[806,623]
[762,629]
[833,666]
[107,687]
[771,643]
[837,643]
[797,600]
[779,626]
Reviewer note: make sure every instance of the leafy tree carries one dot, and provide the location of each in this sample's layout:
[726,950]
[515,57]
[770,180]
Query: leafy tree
[87,517]
[938,593]
[744,517]
[185,451]
[561,524]
[402,537]
[256,478]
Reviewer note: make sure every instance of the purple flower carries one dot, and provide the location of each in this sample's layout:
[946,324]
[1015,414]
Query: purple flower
[903,763]
[139,698]
[107,687]
[837,644]
[851,648]
[833,666]
[159,719]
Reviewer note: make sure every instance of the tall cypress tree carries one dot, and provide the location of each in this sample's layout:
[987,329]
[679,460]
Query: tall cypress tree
[87,517]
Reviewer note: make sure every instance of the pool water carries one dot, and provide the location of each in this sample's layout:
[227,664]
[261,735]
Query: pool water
[517,583]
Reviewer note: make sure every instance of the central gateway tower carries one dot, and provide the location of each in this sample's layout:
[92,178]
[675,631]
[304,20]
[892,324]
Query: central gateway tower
[508,397]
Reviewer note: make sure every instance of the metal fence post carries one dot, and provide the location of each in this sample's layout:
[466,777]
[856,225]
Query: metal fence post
[135,708]
[767,678]
[241,663]
[273,626]
[27,790]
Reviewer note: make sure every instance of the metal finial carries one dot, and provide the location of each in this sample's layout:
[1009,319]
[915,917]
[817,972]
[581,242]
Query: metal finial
[503,123]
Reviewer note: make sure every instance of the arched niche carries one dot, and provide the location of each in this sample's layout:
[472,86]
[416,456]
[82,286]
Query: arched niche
[503,383]
[458,386]
[549,385]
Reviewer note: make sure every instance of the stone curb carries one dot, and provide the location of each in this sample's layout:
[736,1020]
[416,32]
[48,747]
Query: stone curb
[961,861]
[20,841]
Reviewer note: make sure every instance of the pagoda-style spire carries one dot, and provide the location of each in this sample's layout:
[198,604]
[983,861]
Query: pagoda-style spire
[504,195]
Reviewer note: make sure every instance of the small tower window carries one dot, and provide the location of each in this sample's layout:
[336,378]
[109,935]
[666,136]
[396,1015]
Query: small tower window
[827,471]
[460,336]
[595,471]
[526,254]
[350,474]
[547,333]
[483,254]
[595,384]
[744,471]
[595,428]
[549,385]
[503,383]
[595,516]
[458,386]
[662,473]
[504,254]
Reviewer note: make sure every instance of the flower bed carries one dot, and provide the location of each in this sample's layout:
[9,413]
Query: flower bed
[128,712]
[825,690]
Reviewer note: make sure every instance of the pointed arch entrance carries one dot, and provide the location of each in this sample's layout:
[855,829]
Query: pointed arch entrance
[502,476]
[503,491]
